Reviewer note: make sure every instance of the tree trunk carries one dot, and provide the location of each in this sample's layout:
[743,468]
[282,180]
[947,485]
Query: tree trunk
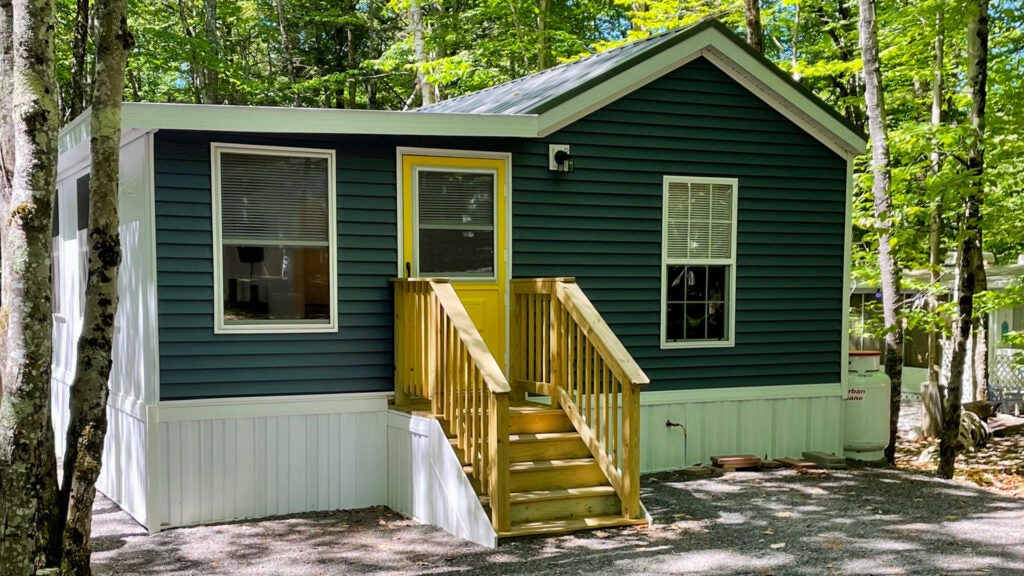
[211,81]
[88,406]
[847,86]
[755,36]
[873,96]
[542,35]
[286,50]
[196,77]
[794,46]
[931,418]
[980,323]
[79,46]
[27,463]
[419,52]
[970,255]
[350,42]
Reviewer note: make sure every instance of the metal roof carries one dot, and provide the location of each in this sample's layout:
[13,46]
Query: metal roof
[544,90]
[539,92]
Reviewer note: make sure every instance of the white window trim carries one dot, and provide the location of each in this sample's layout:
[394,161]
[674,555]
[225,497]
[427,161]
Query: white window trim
[272,327]
[730,340]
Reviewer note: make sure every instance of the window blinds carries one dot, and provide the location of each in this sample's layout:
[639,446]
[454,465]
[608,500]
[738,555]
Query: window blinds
[455,200]
[699,219]
[273,199]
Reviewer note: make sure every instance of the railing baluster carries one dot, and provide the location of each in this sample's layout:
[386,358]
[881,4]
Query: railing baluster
[569,347]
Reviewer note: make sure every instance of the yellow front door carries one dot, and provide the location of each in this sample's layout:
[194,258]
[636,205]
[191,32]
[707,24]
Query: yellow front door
[454,228]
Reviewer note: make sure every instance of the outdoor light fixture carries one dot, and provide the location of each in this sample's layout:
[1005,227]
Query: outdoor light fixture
[560,159]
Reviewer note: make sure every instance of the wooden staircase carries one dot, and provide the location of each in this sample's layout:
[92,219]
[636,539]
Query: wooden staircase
[556,485]
[573,464]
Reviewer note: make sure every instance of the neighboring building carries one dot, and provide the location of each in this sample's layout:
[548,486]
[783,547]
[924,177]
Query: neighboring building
[1006,362]
[703,207]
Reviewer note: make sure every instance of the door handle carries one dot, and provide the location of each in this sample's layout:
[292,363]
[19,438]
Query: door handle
[408,269]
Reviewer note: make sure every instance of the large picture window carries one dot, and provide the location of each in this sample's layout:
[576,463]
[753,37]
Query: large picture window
[698,262]
[274,239]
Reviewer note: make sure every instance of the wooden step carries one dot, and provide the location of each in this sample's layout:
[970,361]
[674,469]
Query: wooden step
[555,474]
[564,526]
[564,504]
[533,418]
[546,446]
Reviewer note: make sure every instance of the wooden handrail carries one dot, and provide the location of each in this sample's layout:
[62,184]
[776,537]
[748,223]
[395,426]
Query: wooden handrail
[562,347]
[441,356]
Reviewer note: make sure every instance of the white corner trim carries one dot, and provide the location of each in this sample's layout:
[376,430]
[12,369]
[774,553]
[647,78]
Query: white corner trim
[264,406]
[152,395]
[784,392]
[847,264]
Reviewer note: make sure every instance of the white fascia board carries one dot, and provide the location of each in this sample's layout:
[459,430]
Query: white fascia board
[75,133]
[147,116]
[323,121]
[732,60]
[785,99]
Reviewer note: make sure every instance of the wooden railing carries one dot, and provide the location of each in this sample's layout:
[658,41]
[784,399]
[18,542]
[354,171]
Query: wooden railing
[561,347]
[440,356]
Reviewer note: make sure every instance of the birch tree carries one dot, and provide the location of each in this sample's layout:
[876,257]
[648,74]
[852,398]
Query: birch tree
[88,406]
[29,173]
[875,101]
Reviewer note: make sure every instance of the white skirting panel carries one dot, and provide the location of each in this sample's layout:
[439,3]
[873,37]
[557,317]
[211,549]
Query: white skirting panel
[123,475]
[777,421]
[254,457]
[426,480]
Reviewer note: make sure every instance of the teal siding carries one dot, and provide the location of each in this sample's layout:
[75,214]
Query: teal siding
[602,224]
[195,362]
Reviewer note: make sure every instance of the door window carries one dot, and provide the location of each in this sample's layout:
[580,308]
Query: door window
[455,213]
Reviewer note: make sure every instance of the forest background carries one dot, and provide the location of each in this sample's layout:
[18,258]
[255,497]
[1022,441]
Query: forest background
[401,54]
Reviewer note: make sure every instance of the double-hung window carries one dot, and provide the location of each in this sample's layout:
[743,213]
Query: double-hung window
[274,222]
[698,273]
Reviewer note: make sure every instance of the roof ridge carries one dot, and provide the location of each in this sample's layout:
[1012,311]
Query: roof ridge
[538,73]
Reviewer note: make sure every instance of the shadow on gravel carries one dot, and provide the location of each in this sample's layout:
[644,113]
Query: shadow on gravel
[872,521]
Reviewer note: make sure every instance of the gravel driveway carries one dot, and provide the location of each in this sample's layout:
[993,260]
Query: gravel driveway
[867,521]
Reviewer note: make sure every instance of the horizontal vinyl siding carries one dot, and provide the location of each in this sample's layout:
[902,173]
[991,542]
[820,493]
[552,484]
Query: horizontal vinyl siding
[602,224]
[195,362]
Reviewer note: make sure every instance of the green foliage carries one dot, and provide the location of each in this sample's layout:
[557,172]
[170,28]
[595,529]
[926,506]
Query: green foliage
[352,53]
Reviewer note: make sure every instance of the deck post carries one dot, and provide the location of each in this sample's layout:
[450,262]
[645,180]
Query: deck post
[557,340]
[401,343]
[498,481]
[631,450]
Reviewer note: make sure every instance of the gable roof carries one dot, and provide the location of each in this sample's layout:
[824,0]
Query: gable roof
[559,95]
